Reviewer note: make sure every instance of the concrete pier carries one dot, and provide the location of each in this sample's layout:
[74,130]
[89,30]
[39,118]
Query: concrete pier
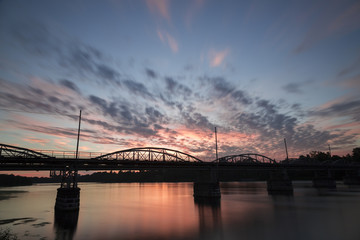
[68,194]
[207,185]
[324,180]
[279,183]
[67,199]
[352,178]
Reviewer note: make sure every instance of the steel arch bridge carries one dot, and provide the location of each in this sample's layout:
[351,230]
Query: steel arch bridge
[19,152]
[150,154]
[246,158]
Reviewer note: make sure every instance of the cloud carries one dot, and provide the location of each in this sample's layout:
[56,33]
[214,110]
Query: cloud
[150,73]
[169,40]
[292,88]
[178,111]
[197,121]
[128,118]
[221,88]
[49,99]
[87,60]
[254,122]
[216,58]
[160,8]
[106,72]
[177,88]
[137,88]
[296,87]
[70,85]
[335,18]
[339,108]
[70,54]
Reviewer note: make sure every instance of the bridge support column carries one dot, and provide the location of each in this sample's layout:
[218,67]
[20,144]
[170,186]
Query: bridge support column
[324,180]
[68,194]
[279,183]
[207,185]
[352,178]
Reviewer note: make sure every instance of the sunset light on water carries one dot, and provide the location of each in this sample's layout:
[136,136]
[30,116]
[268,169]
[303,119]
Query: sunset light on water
[179,119]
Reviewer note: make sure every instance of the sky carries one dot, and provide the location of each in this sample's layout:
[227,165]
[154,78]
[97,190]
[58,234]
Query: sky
[165,73]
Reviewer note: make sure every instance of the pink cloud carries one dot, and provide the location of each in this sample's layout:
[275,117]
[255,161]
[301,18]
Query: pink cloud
[351,125]
[169,40]
[218,57]
[36,140]
[159,7]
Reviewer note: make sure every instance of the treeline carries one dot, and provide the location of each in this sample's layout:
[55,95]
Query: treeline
[317,156]
[163,175]
[11,180]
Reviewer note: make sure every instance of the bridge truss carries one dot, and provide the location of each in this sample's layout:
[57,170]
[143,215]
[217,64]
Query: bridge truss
[150,154]
[18,152]
[246,158]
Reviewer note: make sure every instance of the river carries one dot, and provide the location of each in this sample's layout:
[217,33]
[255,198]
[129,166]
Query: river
[167,211]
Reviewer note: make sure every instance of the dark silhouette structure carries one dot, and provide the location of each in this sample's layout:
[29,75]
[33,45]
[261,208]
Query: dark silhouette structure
[278,174]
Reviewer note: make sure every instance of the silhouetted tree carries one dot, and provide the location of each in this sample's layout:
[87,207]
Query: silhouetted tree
[319,156]
[335,157]
[348,158]
[356,154]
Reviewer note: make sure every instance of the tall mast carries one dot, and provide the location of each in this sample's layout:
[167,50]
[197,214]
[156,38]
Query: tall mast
[78,137]
[216,146]
[287,155]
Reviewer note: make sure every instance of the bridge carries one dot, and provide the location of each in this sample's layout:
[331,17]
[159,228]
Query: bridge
[13,158]
[207,174]
[18,158]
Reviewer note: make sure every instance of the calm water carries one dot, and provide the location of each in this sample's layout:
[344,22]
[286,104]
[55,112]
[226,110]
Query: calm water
[168,211]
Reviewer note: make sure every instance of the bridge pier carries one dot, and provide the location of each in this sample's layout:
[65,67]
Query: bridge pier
[279,183]
[324,180]
[68,194]
[352,178]
[207,185]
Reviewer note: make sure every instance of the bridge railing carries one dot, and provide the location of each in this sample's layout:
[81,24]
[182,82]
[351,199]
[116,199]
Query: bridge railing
[70,154]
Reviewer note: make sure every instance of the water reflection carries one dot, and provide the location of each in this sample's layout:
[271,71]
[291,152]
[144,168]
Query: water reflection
[169,211]
[210,222]
[65,223]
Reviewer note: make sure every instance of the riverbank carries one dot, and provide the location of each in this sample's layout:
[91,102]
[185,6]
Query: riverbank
[12,180]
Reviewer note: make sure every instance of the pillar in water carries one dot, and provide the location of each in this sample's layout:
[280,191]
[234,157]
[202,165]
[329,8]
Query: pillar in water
[68,194]
[324,180]
[352,178]
[279,183]
[207,185]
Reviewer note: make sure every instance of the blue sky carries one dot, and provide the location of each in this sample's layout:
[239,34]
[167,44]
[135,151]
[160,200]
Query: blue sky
[165,73]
